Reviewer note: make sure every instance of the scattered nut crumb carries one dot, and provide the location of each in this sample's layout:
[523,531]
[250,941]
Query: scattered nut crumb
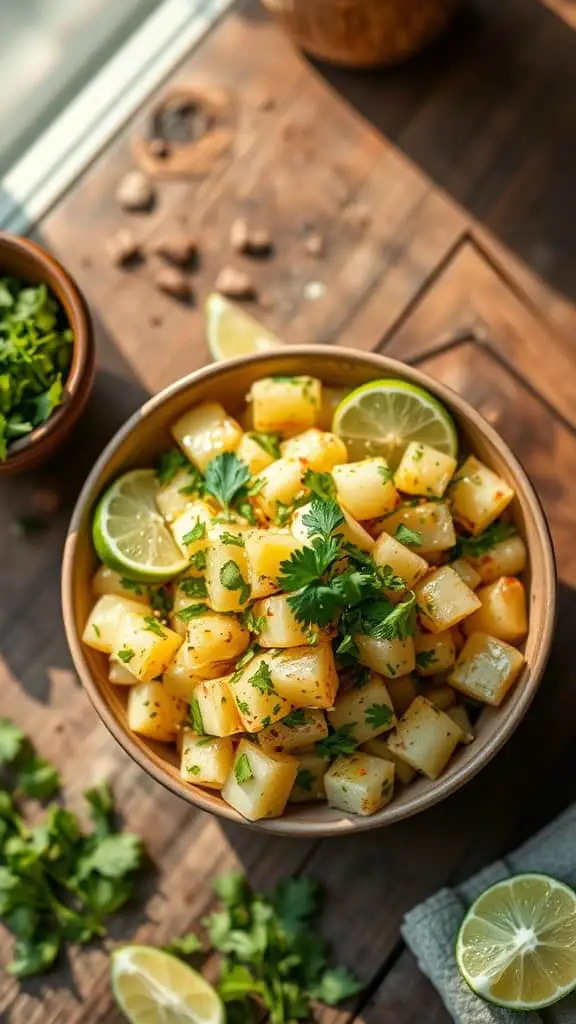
[122,248]
[173,282]
[235,284]
[314,244]
[179,249]
[135,192]
[253,241]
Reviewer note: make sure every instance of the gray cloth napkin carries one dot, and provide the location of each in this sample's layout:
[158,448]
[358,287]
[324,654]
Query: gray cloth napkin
[430,929]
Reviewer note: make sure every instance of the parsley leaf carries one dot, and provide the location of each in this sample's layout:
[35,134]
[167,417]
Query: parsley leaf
[321,484]
[404,535]
[232,579]
[261,680]
[225,476]
[169,464]
[378,715]
[322,518]
[269,442]
[475,547]
[340,741]
[242,769]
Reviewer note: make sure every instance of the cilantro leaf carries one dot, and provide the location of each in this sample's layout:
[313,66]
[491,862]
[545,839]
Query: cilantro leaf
[379,715]
[125,654]
[335,985]
[232,579]
[38,778]
[132,585]
[295,901]
[192,611]
[193,586]
[196,717]
[321,484]
[12,740]
[295,718]
[225,476]
[269,442]
[169,464]
[386,621]
[185,946]
[112,856]
[232,538]
[198,532]
[261,680]
[340,741]
[99,799]
[404,535]
[425,658]
[242,768]
[475,547]
[322,518]
[304,780]
[386,473]
[252,622]
[153,626]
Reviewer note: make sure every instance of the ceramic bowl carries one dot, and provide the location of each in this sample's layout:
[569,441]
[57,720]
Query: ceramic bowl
[137,444]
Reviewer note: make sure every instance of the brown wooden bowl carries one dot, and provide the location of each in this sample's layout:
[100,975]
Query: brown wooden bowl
[19,257]
[146,434]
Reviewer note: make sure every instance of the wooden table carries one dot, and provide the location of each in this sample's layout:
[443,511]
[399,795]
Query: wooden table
[445,195]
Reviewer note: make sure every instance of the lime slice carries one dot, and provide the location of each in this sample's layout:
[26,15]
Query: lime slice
[383,416]
[517,944]
[232,332]
[153,987]
[129,533]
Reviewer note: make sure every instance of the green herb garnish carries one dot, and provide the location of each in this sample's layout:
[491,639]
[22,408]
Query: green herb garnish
[242,769]
[125,654]
[379,715]
[475,547]
[232,579]
[225,477]
[269,442]
[404,535]
[339,742]
[192,611]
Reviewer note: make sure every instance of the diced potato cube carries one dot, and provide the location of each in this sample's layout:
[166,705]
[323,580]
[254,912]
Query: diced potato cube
[402,690]
[258,701]
[174,497]
[119,674]
[444,599]
[423,470]
[367,710]
[435,652]
[459,714]
[389,658]
[153,712]
[184,674]
[190,528]
[441,696]
[285,405]
[320,449]
[300,729]
[378,747]
[190,591]
[486,669]
[309,783]
[106,620]
[507,558]
[145,645]
[478,495]
[425,738]
[403,562]
[431,522]
[265,552]
[466,572]
[253,454]
[359,784]
[259,784]
[226,574]
[503,611]
[204,760]
[331,398]
[217,707]
[280,626]
[365,488]
[205,431]
[306,676]
[282,481]
[213,637]
[106,581]
[350,530]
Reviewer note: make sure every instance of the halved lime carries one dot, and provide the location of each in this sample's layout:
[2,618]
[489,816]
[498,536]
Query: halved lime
[154,987]
[232,332]
[383,416]
[517,944]
[129,533]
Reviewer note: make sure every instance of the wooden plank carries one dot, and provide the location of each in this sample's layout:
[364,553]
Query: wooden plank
[403,995]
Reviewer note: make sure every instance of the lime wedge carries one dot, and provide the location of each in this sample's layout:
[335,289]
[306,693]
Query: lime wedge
[383,416]
[153,987]
[129,533]
[232,332]
[517,944]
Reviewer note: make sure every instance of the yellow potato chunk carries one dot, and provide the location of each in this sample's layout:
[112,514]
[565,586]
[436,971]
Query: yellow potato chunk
[321,450]
[306,676]
[280,627]
[301,728]
[486,669]
[444,599]
[459,714]
[431,522]
[253,455]
[507,558]
[441,696]
[435,652]
[217,707]
[365,488]
[265,552]
[331,398]
[106,620]
[205,761]
[478,495]
[154,713]
[389,658]
[378,747]
[106,581]
[206,431]
[214,637]
[285,405]
[359,784]
[184,674]
[425,738]
[281,482]
[259,784]
[257,698]
[190,528]
[403,562]
[503,612]
[190,591]
[466,572]
[309,784]
[350,530]
[226,574]
[174,497]
[365,711]
[402,690]
[119,674]
[145,645]
[423,470]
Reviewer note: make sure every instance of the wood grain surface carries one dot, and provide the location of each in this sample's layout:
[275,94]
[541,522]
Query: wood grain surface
[444,195]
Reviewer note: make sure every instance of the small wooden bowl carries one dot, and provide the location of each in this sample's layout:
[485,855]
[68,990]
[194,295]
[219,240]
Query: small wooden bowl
[137,444]
[19,257]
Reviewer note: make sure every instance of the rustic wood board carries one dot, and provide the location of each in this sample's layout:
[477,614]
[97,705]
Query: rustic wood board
[413,266]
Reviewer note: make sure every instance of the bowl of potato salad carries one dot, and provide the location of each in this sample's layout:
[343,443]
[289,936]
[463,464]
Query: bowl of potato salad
[308,590]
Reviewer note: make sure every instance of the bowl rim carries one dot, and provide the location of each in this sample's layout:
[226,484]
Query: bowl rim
[392,812]
[82,365]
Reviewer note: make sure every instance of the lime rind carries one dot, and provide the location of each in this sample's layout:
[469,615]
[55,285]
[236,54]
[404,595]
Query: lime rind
[231,331]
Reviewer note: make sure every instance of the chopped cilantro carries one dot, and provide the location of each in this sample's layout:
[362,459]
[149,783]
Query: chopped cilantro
[295,718]
[379,715]
[386,474]
[153,626]
[232,579]
[169,464]
[269,442]
[261,680]
[198,532]
[475,547]
[404,535]
[125,654]
[192,611]
[425,658]
[195,716]
[321,484]
[304,779]
[193,586]
[232,538]
[340,741]
[242,769]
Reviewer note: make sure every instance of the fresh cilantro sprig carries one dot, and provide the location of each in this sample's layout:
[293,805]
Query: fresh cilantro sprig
[475,547]
[226,475]
[339,742]
[321,484]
